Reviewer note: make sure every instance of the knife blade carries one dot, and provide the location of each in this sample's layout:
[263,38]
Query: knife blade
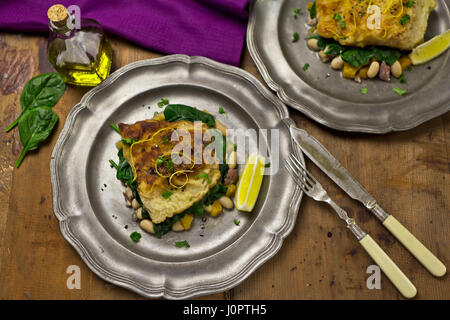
[315,151]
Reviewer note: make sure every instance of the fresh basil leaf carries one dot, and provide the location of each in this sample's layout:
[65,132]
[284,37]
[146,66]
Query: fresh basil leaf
[176,112]
[35,125]
[43,90]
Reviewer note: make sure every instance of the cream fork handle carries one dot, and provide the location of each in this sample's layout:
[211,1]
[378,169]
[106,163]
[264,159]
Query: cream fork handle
[390,269]
[418,250]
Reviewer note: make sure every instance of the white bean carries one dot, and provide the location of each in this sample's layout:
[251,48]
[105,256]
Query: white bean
[208,208]
[232,160]
[337,63]
[147,225]
[323,56]
[177,227]
[128,203]
[226,202]
[312,44]
[129,193]
[139,213]
[396,69]
[373,70]
[135,204]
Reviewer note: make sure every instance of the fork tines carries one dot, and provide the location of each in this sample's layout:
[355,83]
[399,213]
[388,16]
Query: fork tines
[301,176]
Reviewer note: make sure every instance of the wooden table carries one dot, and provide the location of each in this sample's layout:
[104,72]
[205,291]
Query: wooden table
[408,172]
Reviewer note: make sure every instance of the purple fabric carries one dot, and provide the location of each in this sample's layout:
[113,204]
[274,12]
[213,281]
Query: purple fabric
[211,28]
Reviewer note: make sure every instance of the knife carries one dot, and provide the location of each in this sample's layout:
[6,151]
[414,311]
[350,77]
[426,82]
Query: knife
[328,164]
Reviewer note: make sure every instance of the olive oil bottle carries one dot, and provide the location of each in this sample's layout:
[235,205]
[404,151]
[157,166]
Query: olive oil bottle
[81,53]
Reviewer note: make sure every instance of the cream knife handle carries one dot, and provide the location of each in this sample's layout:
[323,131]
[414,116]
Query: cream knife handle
[418,250]
[390,269]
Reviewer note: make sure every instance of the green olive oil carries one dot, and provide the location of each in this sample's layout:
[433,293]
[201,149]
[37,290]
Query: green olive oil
[81,55]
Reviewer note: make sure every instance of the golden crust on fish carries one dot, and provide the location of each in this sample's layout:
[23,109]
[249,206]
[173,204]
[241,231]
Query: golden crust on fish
[355,31]
[154,142]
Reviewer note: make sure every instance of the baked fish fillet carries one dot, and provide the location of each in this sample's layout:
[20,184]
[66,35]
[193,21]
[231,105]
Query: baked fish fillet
[155,143]
[402,23]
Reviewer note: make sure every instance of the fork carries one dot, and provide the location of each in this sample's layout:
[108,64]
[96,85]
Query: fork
[306,181]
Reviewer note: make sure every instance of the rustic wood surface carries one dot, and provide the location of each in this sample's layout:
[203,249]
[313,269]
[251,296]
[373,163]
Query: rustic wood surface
[408,172]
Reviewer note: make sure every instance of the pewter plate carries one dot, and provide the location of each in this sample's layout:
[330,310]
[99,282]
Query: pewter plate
[88,201]
[336,102]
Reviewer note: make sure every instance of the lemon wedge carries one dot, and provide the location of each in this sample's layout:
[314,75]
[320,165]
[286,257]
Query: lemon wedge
[249,183]
[431,49]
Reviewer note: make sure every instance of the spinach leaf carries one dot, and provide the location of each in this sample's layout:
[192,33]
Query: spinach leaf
[124,170]
[165,226]
[312,11]
[215,193]
[334,49]
[41,91]
[35,125]
[386,54]
[357,56]
[176,112]
[196,209]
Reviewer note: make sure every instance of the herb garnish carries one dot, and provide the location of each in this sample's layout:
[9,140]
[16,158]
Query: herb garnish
[342,24]
[305,67]
[221,110]
[405,19]
[337,17]
[163,102]
[135,236]
[295,12]
[203,175]
[402,78]
[167,194]
[181,244]
[410,3]
[236,222]
[399,91]
[295,37]
[166,138]
[364,90]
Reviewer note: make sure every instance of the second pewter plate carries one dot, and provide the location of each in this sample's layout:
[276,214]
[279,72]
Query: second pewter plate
[88,200]
[334,101]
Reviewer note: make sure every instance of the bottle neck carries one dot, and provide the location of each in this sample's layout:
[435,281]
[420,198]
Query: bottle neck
[65,30]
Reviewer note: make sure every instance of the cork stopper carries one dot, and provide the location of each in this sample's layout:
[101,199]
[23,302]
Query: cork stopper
[58,15]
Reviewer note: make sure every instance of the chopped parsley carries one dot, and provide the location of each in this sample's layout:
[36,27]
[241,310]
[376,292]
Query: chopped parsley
[342,24]
[295,12]
[221,110]
[405,19]
[364,90]
[267,165]
[163,102]
[402,78]
[135,236]
[203,176]
[166,194]
[409,69]
[112,125]
[155,114]
[295,37]
[169,163]
[181,244]
[166,138]
[399,91]
[236,222]
[410,3]
[234,146]
[337,17]
[305,67]
[129,141]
